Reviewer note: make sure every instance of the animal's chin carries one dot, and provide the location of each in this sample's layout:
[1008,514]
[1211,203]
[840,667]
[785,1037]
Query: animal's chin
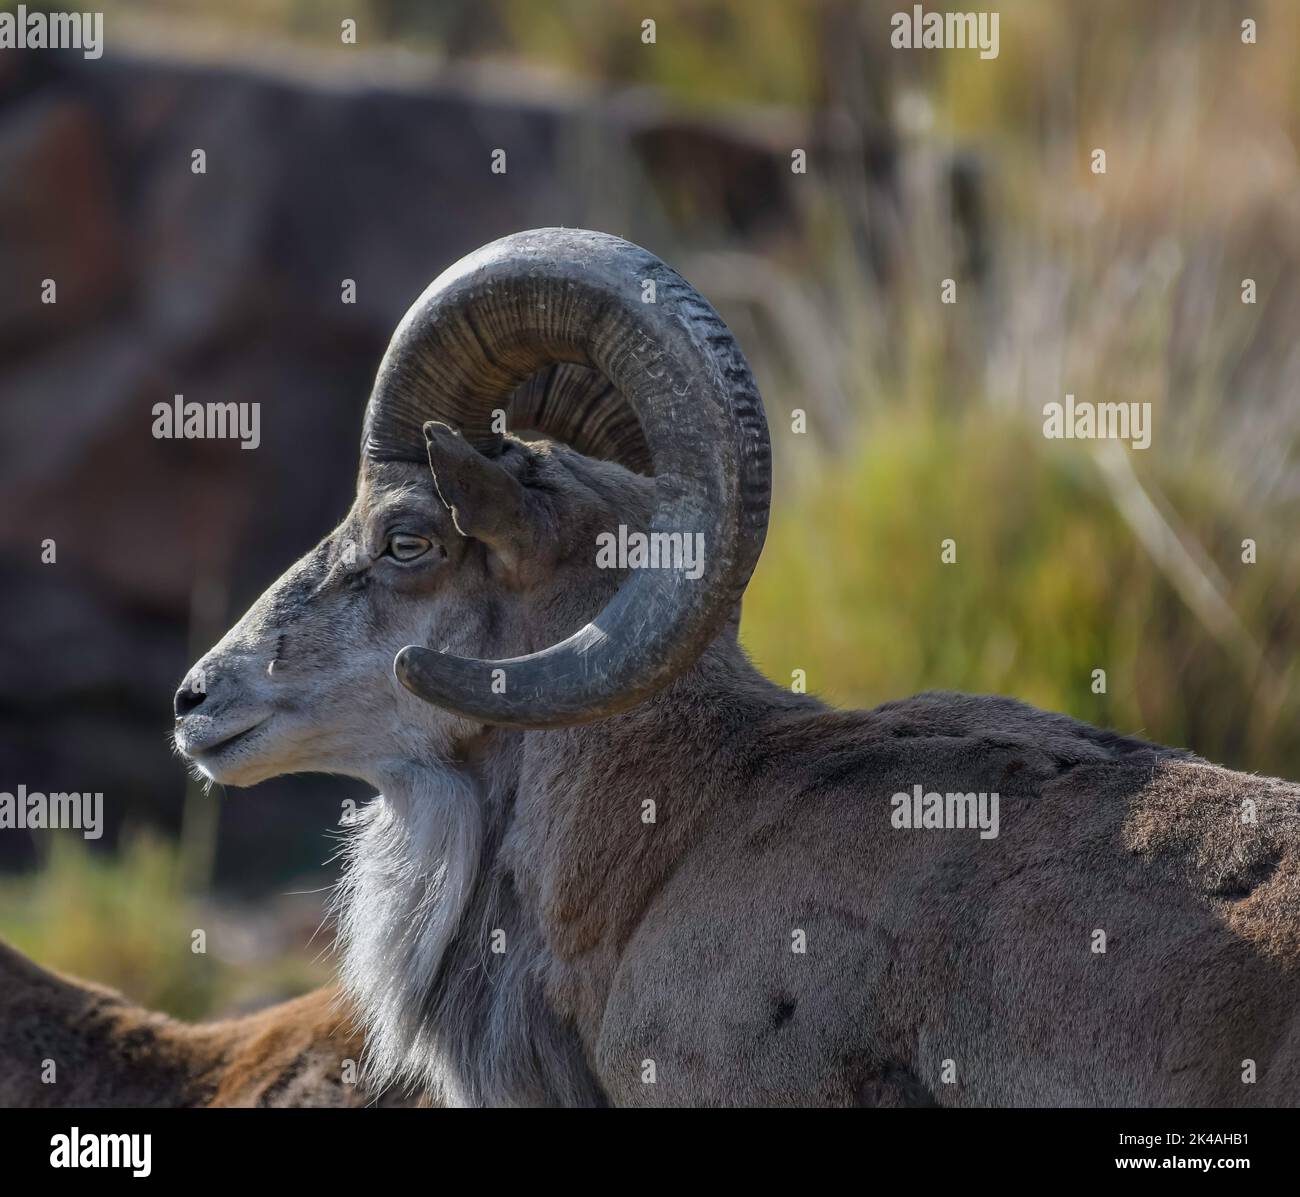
[230,757]
[240,773]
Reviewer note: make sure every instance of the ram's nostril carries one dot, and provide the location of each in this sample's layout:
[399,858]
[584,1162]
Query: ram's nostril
[187,698]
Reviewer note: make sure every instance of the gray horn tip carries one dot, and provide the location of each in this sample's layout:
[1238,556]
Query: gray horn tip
[413,667]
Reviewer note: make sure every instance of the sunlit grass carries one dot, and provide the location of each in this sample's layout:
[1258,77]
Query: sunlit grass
[126,921]
[1049,584]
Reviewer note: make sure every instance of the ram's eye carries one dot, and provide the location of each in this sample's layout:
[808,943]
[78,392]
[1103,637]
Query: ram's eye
[402,547]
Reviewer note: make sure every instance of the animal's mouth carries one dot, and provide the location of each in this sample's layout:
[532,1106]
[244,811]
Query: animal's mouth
[218,742]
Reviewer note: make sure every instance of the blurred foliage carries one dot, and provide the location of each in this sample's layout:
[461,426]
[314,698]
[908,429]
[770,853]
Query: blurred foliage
[1075,61]
[127,922]
[1048,585]
[756,51]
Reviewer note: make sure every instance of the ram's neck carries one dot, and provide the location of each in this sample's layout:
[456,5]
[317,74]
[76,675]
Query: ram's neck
[606,812]
[411,865]
[485,904]
[440,955]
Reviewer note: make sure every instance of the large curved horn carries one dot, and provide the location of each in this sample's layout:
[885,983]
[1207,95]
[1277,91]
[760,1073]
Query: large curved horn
[567,295]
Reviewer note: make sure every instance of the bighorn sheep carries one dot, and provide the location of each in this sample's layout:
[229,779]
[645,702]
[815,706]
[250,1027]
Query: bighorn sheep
[611,863]
[66,1044]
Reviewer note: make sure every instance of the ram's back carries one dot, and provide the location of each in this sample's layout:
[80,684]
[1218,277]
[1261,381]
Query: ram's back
[1130,935]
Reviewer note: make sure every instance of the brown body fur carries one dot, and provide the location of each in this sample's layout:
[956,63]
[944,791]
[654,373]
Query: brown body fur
[921,946]
[930,954]
[109,1052]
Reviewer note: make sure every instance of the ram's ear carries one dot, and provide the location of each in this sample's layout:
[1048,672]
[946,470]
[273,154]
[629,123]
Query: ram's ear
[485,501]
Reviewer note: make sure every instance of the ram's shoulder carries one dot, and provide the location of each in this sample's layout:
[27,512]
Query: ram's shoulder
[995,720]
[943,739]
[1237,835]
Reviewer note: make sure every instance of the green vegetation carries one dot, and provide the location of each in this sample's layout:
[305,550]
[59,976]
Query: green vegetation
[127,921]
[1049,584]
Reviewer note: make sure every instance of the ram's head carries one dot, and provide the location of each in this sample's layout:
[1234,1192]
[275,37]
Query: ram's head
[484,586]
